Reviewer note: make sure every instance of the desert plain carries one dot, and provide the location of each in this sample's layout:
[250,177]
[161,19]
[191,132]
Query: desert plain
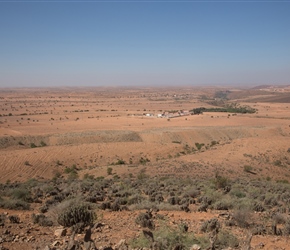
[150,135]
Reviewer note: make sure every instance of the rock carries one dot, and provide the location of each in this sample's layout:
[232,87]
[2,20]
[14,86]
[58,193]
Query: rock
[55,243]
[224,215]
[89,245]
[88,234]
[14,219]
[98,225]
[121,245]
[106,248]
[178,247]
[16,239]
[88,242]
[71,241]
[261,245]
[46,248]
[60,232]
[6,231]
[195,247]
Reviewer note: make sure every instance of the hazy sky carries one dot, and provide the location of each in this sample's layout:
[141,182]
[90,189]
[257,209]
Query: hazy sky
[91,43]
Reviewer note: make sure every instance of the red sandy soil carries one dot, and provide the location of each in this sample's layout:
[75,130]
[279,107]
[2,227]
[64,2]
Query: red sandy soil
[93,128]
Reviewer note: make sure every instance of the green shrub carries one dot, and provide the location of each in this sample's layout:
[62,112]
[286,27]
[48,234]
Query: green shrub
[268,178]
[20,194]
[73,176]
[120,162]
[142,174]
[88,176]
[221,182]
[237,193]
[271,200]
[69,170]
[14,204]
[109,171]
[226,239]
[135,199]
[224,204]
[32,145]
[199,145]
[76,214]
[166,238]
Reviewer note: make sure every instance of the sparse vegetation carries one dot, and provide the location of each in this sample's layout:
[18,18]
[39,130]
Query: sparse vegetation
[249,193]
[72,169]
[240,198]
[144,160]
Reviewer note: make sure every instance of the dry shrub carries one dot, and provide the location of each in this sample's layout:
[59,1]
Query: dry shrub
[279,218]
[145,220]
[41,220]
[242,217]
[210,225]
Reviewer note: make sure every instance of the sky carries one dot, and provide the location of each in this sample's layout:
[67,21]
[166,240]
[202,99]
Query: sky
[137,43]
